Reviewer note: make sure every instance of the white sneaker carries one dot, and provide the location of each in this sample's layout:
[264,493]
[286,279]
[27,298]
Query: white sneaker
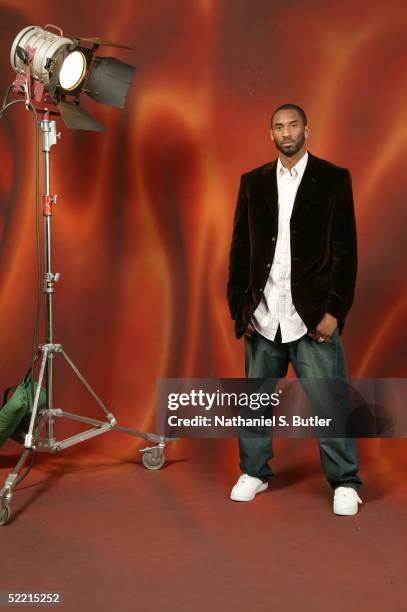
[346,501]
[246,488]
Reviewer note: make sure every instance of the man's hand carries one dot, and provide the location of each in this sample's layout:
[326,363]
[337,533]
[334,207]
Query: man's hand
[249,331]
[325,328]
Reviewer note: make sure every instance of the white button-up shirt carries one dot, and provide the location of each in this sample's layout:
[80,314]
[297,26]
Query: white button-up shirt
[276,305]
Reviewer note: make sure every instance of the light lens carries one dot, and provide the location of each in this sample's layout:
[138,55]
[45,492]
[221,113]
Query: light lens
[72,71]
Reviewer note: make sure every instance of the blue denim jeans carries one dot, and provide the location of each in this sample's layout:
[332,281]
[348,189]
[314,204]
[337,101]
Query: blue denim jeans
[310,359]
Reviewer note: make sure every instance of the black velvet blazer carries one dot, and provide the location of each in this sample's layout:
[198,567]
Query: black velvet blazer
[323,243]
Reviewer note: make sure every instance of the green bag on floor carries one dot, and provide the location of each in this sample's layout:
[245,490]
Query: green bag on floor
[15,415]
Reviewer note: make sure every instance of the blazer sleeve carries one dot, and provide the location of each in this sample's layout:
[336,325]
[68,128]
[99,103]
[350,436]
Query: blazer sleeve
[344,251]
[239,257]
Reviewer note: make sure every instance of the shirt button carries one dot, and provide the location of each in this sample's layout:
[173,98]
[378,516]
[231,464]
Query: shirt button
[273,239]
[261,289]
[268,265]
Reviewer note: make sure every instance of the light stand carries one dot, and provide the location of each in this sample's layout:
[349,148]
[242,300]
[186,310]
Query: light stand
[44,419]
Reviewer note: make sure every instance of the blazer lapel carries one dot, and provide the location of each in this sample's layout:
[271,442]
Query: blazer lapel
[307,186]
[269,188]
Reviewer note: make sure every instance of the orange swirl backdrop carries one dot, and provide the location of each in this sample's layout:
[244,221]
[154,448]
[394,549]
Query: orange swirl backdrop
[143,224]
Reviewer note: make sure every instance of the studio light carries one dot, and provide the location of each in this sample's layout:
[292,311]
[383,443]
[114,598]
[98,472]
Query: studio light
[54,69]
[52,72]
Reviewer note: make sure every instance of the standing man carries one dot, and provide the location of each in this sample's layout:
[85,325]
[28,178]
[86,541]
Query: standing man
[292,272]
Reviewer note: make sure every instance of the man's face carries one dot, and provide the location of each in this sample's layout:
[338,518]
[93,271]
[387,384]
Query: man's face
[288,132]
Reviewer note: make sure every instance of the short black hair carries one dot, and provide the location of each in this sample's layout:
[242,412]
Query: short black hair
[295,107]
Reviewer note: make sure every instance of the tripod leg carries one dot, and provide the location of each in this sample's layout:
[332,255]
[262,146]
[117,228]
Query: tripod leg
[88,387]
[29,436]
[6,492]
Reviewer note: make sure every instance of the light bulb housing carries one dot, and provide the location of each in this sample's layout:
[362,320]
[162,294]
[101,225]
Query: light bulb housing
[52,68]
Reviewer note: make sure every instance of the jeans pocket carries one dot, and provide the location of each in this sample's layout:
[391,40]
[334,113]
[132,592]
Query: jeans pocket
[335,335]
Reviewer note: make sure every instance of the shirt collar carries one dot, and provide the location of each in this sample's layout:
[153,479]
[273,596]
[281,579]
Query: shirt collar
[296,171]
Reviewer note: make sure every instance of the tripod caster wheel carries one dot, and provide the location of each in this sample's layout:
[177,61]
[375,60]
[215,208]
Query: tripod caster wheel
[5,512]
[153,459]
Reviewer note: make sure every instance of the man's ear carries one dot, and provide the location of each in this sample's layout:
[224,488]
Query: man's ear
[306,131]
[271,135]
